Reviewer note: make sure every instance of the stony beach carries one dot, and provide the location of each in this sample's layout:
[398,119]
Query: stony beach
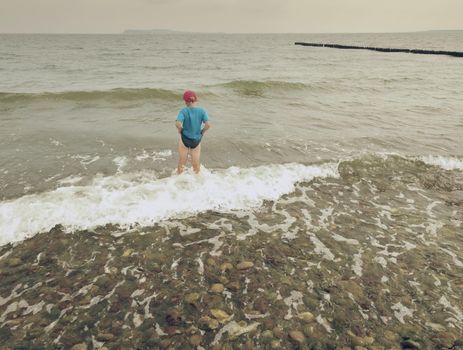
[369,260]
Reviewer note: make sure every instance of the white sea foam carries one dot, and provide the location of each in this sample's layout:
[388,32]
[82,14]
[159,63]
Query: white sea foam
[447,163]
[120,162]
[142,199]
[160,155]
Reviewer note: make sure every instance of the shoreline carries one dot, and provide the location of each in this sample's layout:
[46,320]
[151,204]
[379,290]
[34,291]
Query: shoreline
[289,275]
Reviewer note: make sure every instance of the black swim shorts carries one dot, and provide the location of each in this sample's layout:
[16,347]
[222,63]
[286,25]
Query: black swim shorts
[190,143]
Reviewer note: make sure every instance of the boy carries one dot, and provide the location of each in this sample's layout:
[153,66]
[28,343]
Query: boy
[188,123]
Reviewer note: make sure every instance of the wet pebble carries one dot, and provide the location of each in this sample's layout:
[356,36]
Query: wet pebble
[245,265]
[297,337]
[217,288]
[192,298]
[220,315]
[127,252]
[173,317]
[410,344]
[81,346]
[196,339]
[207,323]
[104,336]
[14,262]
[278,332]
[234,286]
[306,317]
[360,341]
[226,266]
[267,336]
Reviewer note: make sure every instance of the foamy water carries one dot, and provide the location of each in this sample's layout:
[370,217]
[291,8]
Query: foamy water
[141,199]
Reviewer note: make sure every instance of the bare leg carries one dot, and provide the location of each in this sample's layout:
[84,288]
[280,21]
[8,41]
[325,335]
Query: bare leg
[195,154]
[182,156]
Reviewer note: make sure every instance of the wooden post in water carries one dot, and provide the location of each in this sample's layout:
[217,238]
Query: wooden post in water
[382,49]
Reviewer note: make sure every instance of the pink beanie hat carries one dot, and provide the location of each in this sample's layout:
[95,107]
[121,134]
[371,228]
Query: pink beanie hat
[190,96]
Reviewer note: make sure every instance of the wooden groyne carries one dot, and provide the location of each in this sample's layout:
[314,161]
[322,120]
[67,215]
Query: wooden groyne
[383,49]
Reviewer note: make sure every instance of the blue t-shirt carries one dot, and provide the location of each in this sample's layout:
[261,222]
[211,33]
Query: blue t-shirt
[192,118]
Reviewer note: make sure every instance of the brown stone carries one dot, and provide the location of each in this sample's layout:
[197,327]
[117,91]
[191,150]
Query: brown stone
[217,288]
[234,286]
[297,337]
[81,346]
[13,262]
[220,315]
[208,323]
[223,280]
[245,265]
[307,317]
[196,339]
[104,336]
[192,298]
[173,317]
[226,266]
[278,332]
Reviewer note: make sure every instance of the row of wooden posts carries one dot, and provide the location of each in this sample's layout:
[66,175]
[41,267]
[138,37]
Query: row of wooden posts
[382,49]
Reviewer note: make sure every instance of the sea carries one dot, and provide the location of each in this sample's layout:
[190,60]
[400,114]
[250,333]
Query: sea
[329,205]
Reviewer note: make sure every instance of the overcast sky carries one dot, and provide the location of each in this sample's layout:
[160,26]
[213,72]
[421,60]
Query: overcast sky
[311,16]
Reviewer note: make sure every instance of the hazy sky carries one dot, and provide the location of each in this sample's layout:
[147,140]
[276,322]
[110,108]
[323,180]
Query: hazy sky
[113,16]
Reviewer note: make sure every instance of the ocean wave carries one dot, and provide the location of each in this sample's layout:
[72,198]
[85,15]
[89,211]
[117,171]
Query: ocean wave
[258,88]
[141,199]
[446,163]
[114,95]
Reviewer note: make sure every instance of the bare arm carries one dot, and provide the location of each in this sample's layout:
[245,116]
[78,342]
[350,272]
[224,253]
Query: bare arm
[179,126]
[206,127]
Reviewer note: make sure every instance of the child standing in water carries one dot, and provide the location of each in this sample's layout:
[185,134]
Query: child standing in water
[189,122]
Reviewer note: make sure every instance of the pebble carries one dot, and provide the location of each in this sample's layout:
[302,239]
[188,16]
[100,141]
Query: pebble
[234,286]
[226,266]
[217,288]
[245,265]
[207,323]
[278,332]
[435,326]
[390,336]
[223,280]
[196,339]
[267,336]
[444,339]
[104,337]
[81,346]
[220,315]
[127,252]
[166,342]
[13,262]
[297,336]
[306,316]
[409,344]
[275,344]
[173,317]
[192,298]
[359,341]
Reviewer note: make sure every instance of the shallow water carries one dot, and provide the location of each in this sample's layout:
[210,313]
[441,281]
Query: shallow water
[78,105]
[371,256]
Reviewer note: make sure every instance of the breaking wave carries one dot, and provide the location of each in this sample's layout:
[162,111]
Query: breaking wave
[141,199]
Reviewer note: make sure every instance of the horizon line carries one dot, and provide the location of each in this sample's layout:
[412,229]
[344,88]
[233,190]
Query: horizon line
[173,31]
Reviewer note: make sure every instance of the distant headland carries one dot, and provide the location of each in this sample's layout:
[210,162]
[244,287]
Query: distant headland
[152,31]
